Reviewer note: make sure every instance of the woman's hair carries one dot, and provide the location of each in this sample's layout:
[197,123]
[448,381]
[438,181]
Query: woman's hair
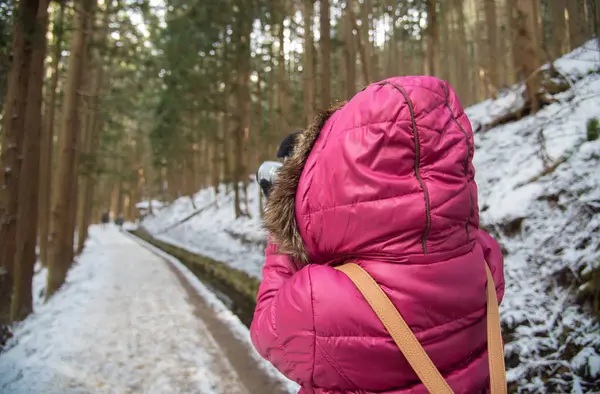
[287,145]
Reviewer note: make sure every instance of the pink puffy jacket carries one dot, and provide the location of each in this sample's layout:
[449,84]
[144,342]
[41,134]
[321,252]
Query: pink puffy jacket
[386,181]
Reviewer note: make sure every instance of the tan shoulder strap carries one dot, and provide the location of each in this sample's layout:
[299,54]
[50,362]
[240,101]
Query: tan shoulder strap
[410,346]
[494,334]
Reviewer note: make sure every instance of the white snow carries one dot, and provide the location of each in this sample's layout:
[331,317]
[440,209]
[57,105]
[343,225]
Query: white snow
[146,204]
[539,171]
[543,171]
[214,232]
[579,62]
[120,324]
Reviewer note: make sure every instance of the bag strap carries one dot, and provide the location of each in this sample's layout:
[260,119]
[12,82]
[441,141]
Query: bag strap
[409,344]
[494,334]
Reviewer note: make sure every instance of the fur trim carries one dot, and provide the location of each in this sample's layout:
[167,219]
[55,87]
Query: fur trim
[280,214]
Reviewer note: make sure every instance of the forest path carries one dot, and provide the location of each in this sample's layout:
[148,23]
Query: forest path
[127,321]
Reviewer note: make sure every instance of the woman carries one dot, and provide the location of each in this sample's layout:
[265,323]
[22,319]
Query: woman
[385,181]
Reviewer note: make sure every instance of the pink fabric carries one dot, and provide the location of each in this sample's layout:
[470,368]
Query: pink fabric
[360,199]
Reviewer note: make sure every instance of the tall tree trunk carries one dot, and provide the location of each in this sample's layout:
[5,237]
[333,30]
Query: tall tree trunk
[45,196]
[260,140]
[13,127]
[364,45]
[92,137]
[120,197]
[283,112]
[225,131]
[349,53]
[361,45]
[244,28]
[372,58]
[432,34]
[443,57]
[59,263]
[325,25]
[26,236]
[494,54]
[527,49]
[577,25]
[559,28]
[271,108]
[461,58]
[396,65]
[308,70]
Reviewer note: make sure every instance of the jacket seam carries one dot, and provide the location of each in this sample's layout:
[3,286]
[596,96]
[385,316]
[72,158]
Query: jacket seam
[312,307]
[466,164]
[336,367]
[417,164]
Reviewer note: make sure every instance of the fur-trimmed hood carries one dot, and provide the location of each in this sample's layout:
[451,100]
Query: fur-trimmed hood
[387,174]
[280,219]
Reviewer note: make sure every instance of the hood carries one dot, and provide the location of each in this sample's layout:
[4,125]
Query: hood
[388,174]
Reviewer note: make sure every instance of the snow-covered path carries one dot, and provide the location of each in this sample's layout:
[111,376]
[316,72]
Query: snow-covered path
[124,323]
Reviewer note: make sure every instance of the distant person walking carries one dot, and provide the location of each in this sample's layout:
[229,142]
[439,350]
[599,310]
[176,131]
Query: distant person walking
[105,218]
[119,222]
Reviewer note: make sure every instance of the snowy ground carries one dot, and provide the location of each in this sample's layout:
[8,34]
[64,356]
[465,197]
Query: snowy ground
[539,193]
[124,323]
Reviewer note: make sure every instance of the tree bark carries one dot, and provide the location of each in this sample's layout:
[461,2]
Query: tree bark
[325,25]
[283,112]
[577,25]
[527,49]
[244,28]
[45,196]
[60,249]
[15,106]
[349,53]
[26,233]
[362,50]
[309,63]
[461,59]
[432,34]
[92,139]
[493,53]
[559,28]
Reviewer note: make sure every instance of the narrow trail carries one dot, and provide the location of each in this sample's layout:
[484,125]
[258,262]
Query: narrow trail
[127,321]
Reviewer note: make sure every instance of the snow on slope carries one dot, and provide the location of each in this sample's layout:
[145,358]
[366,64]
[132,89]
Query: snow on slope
[214,232]
[539,193]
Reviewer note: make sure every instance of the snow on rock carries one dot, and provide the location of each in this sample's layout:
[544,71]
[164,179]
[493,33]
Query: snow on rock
[120,324]
[579,62]
[146,204]
[489,110]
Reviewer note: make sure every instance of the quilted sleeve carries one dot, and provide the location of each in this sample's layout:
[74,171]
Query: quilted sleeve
[493,256]
[282,330]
